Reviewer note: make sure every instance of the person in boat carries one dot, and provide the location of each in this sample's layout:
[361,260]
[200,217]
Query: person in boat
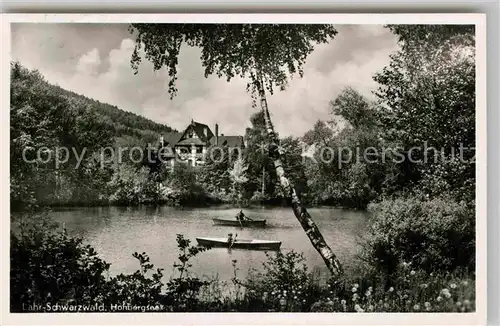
[241,217]
[231,240]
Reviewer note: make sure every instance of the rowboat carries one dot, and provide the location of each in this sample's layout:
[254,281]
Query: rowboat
[243,223]
[240,243]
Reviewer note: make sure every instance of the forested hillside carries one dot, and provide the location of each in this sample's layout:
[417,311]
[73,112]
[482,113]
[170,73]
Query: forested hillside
[121,123]
[46,122]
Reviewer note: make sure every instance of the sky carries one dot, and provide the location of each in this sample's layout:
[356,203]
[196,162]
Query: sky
[94,60]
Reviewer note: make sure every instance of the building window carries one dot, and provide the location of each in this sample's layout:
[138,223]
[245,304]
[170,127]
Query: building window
[199,150]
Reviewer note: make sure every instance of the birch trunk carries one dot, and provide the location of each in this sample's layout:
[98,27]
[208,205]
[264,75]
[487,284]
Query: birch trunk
[299,209]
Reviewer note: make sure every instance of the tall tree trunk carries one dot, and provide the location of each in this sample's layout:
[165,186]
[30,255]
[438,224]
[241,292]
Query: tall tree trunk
[299,209]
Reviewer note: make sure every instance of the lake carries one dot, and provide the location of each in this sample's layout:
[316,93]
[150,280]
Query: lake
[117,232]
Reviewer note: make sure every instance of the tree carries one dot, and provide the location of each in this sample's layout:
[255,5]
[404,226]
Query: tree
[238,175]
[262,180]
[266,55]
[428,95]
[353,107]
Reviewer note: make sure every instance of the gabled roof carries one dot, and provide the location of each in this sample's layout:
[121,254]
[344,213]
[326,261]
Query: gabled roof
[199,129]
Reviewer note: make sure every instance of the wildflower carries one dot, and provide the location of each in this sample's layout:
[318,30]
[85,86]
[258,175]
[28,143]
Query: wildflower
[354,297]
[358,308]
[386,305]
[465,283]
[370,308]
[354,289]
[446,293]
[453,285]
[466,302]
[427,304]
[343,302]
[459,303]
[412,273]
[416,307]
[304,300]
[380,302]
[370,289]
[356,285]
[272,293]
[391,289]
[368,293]
[439,299]
[328,299]
[424,286]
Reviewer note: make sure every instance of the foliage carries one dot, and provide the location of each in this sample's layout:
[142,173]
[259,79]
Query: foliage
[183,187]
[50,266]
[412,290]
[433,235]
[238,176]
[427,97]
[340,170]
[49,119]
[230,50]
[354,108]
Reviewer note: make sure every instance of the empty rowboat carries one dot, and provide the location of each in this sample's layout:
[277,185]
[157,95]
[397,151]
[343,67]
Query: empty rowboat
[240,243]
[244,223]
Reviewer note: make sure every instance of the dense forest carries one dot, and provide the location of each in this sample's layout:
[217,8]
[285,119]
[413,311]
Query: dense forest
[406,156]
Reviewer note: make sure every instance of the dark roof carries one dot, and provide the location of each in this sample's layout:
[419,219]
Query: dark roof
[199,128]
[194,141]
[231,141]
[174,138]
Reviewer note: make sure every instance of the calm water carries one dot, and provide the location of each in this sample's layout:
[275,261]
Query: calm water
[116,233]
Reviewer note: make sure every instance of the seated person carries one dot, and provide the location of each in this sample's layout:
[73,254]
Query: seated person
[231,239]
[240,216]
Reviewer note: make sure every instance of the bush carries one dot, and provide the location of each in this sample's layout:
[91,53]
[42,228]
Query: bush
[284,285]
[48,266]
[432,235]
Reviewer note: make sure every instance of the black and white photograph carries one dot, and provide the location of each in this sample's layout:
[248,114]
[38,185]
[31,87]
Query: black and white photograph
[169,166]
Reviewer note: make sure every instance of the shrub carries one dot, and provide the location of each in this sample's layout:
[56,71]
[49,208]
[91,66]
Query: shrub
[284,285]
[50,267]
[432,235]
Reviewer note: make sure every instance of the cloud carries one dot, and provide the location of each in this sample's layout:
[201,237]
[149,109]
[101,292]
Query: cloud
[104,73]
[88,64]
